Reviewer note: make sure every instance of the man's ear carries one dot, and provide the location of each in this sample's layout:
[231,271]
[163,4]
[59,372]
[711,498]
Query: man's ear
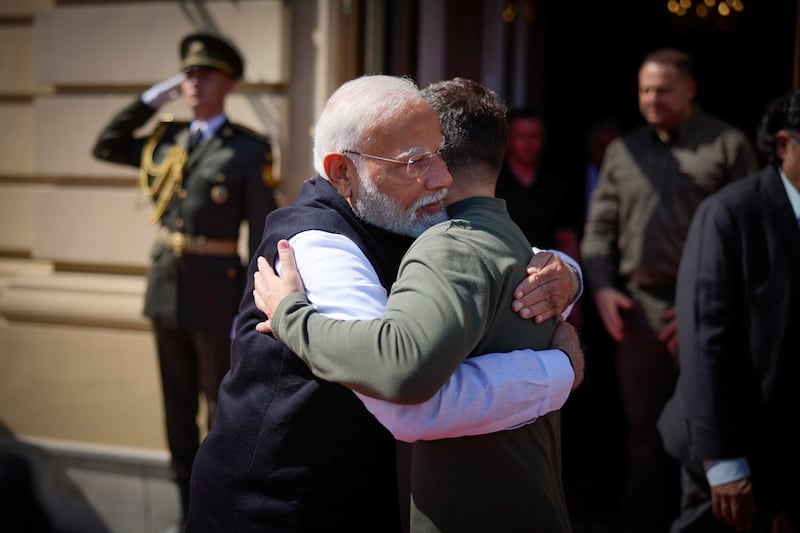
[781,141]
[340,173]
[230,83]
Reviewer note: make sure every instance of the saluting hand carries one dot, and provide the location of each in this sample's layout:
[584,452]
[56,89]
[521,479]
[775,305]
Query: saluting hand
[163,91]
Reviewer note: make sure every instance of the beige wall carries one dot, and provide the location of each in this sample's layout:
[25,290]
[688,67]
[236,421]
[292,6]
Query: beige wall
[72,41]
[77,359]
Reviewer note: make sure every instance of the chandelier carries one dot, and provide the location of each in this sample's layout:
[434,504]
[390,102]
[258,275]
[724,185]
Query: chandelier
[718,12]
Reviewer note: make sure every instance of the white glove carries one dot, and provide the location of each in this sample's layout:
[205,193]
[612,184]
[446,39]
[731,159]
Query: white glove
[164,91]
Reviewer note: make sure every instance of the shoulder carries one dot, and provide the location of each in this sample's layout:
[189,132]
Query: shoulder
[711,123]
[633,139]
[167,125]
[167,120]
[324,259]
[450,242]
[738,197]
[328,249]
[248,134]
[621,150]
[743,190]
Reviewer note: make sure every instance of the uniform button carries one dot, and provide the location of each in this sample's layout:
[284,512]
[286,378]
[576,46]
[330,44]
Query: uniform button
[179,223]
[219,194]
[182,193]
[231,273]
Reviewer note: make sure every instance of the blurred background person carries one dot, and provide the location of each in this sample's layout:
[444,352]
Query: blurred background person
[738,309]
[650,183]
[205,178]
[542,204]
[601,133]
[539,201]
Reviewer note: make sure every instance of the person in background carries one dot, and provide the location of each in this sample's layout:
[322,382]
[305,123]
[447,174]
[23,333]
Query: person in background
[205,178]
[472,262]
[730,421]
[651,181]
[540,202]
[600,135]
[290,451]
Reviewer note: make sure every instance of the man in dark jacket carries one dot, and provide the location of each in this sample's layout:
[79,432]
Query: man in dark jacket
[650,183]
[731,419]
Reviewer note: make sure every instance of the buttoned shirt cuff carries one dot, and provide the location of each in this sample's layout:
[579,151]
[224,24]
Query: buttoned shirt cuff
[723,471]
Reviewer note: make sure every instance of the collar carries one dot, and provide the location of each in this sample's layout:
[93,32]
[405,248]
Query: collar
[792,193]
[208,127]
[681,129]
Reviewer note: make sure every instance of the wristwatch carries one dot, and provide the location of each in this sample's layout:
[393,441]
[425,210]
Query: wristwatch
[578,277]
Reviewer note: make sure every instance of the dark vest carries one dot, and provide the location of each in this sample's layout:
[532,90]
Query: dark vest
[291,452]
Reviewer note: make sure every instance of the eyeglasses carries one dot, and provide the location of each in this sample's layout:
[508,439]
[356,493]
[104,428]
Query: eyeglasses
[416,165]
[793,136]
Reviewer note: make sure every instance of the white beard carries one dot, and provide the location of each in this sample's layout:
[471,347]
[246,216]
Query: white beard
[379,209]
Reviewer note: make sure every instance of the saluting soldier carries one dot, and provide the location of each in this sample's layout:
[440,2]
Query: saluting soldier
[205,177]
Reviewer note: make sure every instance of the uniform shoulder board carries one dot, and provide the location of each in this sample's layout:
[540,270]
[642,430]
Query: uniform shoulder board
[165,123]
[168,119]
[250,132]
[159,131]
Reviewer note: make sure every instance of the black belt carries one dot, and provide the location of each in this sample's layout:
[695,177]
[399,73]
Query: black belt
[185,243]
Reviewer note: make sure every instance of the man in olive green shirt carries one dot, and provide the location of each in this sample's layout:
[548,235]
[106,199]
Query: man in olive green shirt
[650,183]
[452,297]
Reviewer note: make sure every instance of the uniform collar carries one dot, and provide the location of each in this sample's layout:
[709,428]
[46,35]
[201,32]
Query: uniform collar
[208,127]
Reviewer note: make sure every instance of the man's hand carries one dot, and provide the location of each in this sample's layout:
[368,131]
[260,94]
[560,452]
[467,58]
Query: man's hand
[548,289]
[609,301]
[270,289]
[164,91]
[669,333]
[565,338]
[733,503]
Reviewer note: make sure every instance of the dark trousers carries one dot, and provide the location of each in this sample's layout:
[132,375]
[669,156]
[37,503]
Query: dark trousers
[192,362]
[647,372]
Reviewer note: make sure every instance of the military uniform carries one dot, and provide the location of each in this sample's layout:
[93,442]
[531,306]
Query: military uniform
[201,195]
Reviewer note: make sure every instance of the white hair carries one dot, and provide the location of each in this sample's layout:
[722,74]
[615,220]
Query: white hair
[357,110]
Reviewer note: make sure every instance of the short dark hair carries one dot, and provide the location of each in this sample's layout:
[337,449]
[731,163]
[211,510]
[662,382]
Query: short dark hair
[679,59]
[782,113]
[473,121]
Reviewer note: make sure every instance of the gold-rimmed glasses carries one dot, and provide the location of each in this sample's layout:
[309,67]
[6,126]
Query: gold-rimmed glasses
[416,165]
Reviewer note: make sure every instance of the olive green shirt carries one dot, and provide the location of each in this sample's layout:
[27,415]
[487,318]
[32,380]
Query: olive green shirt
[647,193]
[452,297]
